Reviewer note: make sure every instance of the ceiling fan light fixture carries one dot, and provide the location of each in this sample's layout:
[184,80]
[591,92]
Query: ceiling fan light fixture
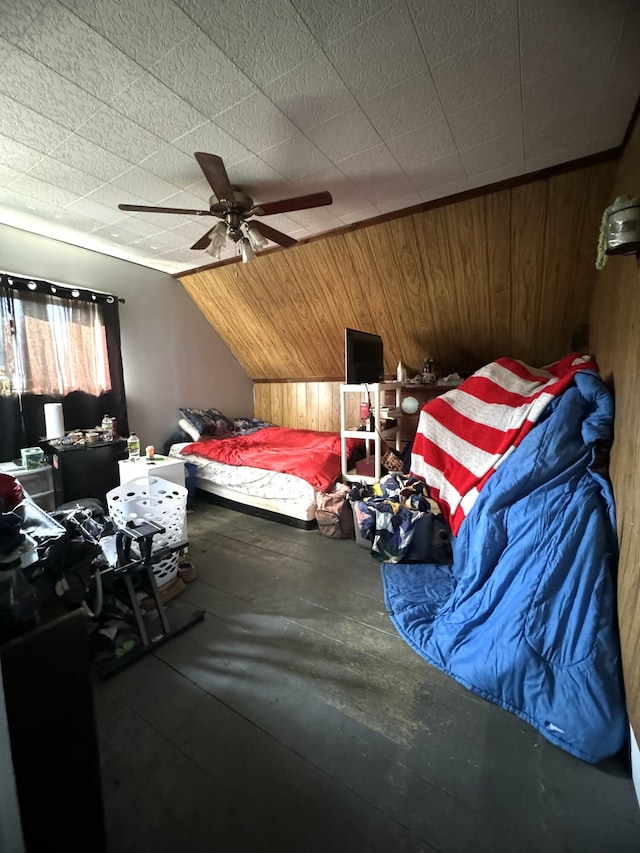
[247,251]
[257,239]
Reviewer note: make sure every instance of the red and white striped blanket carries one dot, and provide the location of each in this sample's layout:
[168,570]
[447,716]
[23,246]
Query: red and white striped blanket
[464,435]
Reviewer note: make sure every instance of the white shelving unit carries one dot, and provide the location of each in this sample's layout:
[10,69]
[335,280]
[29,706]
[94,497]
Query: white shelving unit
[377,394]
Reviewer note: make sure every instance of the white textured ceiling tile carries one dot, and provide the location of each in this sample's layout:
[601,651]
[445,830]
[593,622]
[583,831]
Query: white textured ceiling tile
[63,42]
[345,135]
[173,166]
[160,221]
[110,195]
[75,220]
[311,93]
[260,180]
[401,109]
[120,135]
[625,67]
[202,190]
[422,146]
[94,210]
[367,58]
[28,127]
[184,200]
[444,171]
[446,28]
[494,176]
[605,142]
[36,86]
[557,157]
[16,16]
[331,19]
[567,32]
[487,120]
[212,140]
[376,174]
[61,175]
[266,38]
[399,203]
[163,241]
[315,220]
[560,92]
[347,198]
[294,158]
[442,191]
[145,185]
[153,105]
[17,201]
[482,72]
[16,155]
[89,158]
[138,227]
[616,107]
[257,123]
[7,175]
[494,154]
[574,129]
[360,215]
[199,72]
[117,233]
[144,30]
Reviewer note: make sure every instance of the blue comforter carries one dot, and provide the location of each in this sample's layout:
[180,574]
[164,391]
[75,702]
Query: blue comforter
[526,615]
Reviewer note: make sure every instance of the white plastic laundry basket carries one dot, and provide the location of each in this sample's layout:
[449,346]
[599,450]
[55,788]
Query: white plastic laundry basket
[153,499]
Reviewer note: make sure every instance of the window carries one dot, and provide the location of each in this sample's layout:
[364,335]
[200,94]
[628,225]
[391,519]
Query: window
[54,345]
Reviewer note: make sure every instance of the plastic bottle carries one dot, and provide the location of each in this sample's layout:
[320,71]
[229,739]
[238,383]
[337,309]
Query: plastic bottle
[107,427]
[401,372]
[133,446]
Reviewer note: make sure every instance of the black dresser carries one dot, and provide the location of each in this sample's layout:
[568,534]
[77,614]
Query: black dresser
[85,471]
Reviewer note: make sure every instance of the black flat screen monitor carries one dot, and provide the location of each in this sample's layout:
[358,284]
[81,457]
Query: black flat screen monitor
[363,357]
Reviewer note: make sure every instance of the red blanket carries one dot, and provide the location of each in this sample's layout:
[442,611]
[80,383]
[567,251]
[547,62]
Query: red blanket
[465,434]
[312,455]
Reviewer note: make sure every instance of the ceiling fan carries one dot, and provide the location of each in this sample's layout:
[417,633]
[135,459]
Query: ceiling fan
[233,208]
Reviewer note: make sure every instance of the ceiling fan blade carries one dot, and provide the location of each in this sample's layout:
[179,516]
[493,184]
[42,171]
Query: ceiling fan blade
[299,203]
[216,175]
[271,233]
[145,209]
[204,241]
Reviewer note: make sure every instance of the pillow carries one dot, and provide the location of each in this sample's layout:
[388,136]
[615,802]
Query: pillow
[246,426]
[209,422]
[188,427]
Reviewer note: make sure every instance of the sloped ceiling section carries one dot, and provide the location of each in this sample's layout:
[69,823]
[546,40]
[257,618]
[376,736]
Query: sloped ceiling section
[507,273]
[384,104]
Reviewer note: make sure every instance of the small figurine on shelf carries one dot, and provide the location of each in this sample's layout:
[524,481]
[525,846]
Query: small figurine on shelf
[428,376]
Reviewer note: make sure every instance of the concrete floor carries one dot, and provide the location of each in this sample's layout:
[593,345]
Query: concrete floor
[294,718]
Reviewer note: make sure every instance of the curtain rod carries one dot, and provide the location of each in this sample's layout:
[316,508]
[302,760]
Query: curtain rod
[54,288]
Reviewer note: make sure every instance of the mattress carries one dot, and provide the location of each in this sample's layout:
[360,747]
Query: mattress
[269,491]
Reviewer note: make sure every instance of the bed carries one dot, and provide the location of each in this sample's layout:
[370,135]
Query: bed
[526,614]
[256,467]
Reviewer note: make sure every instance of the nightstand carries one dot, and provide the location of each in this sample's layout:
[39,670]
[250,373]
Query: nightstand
[164,467]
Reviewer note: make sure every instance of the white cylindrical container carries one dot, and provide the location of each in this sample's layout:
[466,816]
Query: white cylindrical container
[53,420]
[401,372]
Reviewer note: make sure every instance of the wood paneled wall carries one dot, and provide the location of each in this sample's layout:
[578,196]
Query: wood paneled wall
[510,272]
[615,341]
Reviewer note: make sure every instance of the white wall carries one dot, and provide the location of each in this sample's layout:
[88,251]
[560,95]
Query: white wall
[171,355]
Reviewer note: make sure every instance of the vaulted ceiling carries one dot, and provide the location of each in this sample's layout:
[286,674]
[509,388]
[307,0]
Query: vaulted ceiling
[384,104]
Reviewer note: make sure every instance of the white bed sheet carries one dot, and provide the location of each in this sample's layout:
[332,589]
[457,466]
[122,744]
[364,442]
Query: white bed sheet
[256,487]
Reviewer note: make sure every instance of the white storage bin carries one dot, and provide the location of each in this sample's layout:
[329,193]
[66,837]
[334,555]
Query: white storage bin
[153,499]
